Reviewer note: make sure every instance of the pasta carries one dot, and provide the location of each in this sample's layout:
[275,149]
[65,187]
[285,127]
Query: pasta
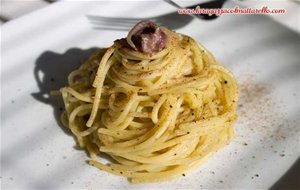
[157,114]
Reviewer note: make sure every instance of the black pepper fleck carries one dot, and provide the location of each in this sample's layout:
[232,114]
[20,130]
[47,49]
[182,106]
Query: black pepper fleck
[183,174]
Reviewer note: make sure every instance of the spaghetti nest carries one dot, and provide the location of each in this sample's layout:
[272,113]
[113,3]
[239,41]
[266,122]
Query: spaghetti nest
[156,115]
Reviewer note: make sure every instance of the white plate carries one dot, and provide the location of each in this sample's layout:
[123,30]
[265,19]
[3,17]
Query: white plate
[36,152]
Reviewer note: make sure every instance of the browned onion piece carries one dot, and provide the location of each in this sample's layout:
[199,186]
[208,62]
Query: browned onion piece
[146,37]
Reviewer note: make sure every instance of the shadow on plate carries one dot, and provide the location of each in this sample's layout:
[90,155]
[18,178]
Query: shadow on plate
[51,72]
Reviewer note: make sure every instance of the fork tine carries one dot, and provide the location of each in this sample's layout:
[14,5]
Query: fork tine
[113,23]
[111,28]
[99,22]
[114,19]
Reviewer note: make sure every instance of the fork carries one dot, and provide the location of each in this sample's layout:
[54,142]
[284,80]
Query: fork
[178,20]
